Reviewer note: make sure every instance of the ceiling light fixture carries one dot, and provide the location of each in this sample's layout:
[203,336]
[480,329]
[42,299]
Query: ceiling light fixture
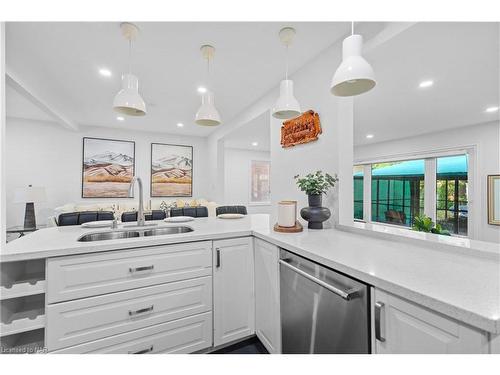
[369,136]
[287,105]
[355,75]
[425,84]
[491,109]
[120,118]
[105,72]
[202,90]
[207,115]
[255,144]
[180,124]
[128,101]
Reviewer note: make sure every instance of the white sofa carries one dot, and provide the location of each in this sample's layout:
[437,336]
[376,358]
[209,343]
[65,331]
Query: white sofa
[118,207]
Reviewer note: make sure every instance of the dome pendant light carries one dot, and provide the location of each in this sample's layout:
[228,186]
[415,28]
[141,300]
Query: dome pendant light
[128,101]
[207,115]
[355,75]
[286,106]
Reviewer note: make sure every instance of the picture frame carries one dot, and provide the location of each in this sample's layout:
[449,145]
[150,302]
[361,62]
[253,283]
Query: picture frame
[108,166]
[171,170]
[494,199]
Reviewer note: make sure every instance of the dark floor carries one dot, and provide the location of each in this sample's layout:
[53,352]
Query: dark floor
[250,346]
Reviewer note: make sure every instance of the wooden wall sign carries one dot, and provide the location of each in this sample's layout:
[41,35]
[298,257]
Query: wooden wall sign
[302,129]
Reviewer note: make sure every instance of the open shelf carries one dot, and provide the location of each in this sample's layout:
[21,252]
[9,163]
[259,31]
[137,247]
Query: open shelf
[22,278]
[22,314]
[23,343]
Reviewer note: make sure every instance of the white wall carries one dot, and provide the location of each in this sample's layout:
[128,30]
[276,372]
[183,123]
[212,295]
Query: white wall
[237,166]
[312,90]
[45,154]
[486,139]
[333,152]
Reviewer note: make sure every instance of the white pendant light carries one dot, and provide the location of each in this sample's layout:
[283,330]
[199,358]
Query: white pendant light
[128,101]
[355,75]
[287,105]
[207,115]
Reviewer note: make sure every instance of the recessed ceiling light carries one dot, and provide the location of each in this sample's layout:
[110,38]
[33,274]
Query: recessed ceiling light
[369,136]
[105,72]
[202,90]
[255,143]
[425,84]
[180,124]
[491,109]
[120,118]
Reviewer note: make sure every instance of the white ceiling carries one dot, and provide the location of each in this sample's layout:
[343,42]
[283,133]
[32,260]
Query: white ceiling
[19,106]
[256,130]
[463,61]
[60,62]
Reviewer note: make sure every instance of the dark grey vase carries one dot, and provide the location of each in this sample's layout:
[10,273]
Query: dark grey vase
[315,214]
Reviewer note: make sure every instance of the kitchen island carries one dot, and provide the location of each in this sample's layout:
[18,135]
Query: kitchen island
[459,284]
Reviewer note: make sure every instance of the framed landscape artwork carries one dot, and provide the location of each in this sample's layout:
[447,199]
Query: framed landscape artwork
[494,199]
[171,170]
[108,167]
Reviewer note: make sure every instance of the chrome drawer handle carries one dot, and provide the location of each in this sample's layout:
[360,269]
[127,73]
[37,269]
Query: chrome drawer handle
[141,269]
[378,312]
[143,351]
[141,311]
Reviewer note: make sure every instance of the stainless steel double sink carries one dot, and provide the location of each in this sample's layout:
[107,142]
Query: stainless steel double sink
[146,232]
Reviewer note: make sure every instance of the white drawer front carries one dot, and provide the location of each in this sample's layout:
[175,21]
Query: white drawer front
[84,320]
[80,276]
[185,335]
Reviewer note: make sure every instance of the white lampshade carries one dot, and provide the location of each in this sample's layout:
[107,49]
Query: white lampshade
[354,76]
[286,106]
[128,101]
[207,115]
[29,194]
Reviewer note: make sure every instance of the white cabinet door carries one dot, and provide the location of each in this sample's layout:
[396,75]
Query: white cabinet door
[234,297]
[408,328]
[267,298]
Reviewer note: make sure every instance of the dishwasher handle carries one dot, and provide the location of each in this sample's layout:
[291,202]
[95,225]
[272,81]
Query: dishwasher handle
[345,294]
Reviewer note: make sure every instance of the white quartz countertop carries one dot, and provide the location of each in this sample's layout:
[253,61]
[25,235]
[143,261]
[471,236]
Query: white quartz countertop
[464,285]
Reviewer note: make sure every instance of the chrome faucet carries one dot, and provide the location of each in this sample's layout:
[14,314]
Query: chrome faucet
[140,212]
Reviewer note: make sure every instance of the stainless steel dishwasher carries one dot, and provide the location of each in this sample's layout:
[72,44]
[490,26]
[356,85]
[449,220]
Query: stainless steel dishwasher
[322,311]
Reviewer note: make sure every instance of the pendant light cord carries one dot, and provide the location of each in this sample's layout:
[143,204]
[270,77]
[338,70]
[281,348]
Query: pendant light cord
[130,56]
[286,61]
[208,72]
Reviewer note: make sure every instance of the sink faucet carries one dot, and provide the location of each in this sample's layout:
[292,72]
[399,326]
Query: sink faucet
[140,213]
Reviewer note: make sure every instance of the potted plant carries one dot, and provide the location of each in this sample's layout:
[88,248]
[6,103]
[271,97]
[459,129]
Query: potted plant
[424,223]
[315,185]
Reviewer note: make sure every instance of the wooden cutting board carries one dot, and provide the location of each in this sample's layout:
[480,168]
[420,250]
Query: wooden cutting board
[297,228]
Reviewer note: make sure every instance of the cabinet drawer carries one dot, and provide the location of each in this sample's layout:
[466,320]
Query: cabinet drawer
[185,335]
[80,276]
[76,322]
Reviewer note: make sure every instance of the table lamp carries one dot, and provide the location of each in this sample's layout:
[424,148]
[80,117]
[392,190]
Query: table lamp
[29,195]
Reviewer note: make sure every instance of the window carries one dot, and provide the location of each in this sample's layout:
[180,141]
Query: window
[358,192]
[451,193]
[397,191]
[260,184]
[397,188]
